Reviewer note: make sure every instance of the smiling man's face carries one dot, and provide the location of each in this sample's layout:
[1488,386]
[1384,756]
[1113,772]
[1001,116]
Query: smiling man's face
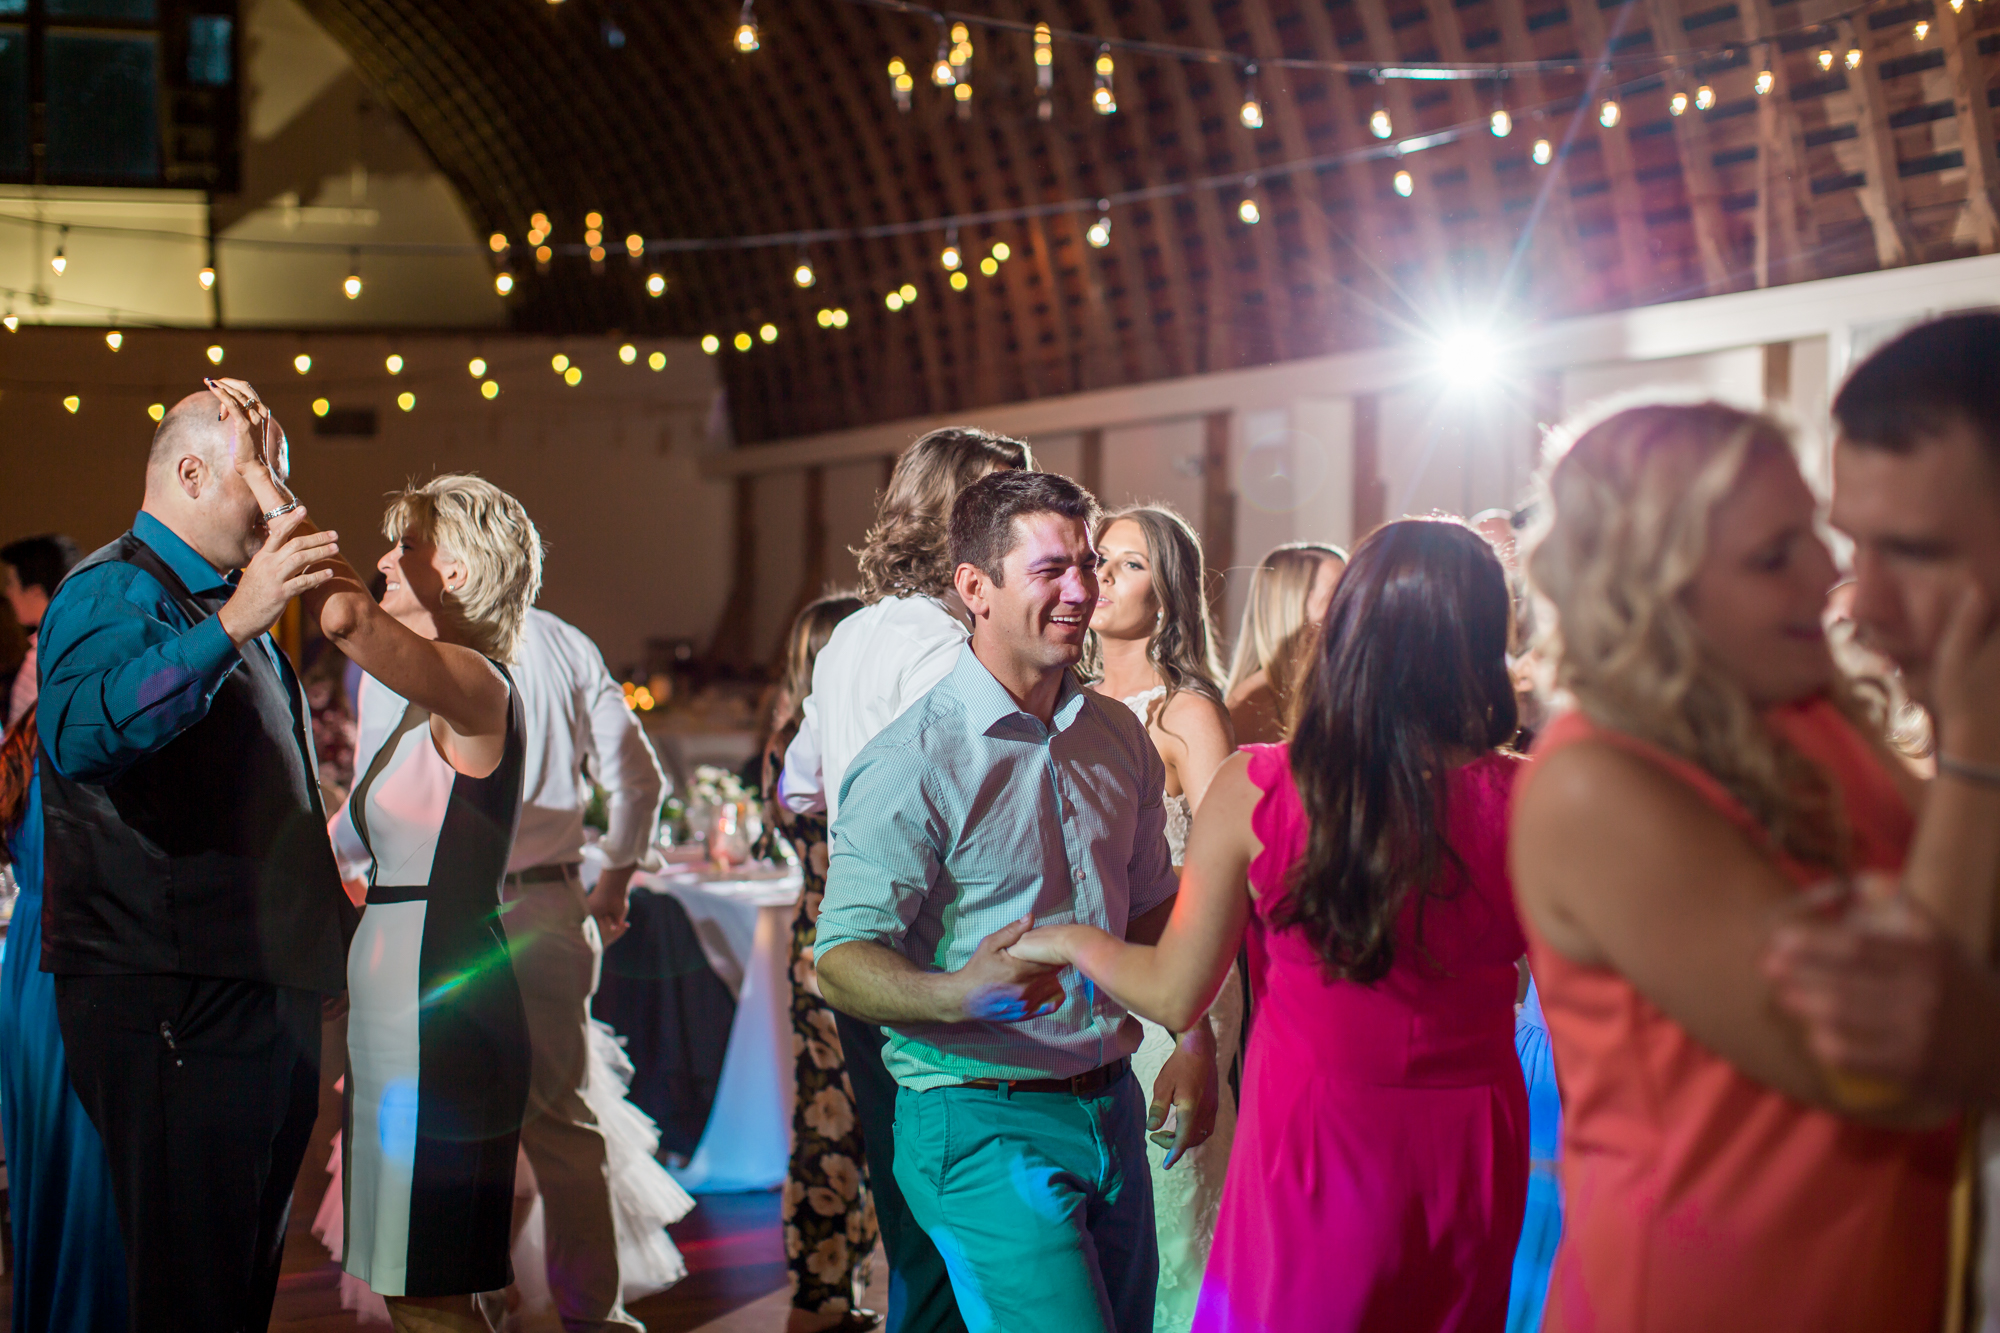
[1040,610]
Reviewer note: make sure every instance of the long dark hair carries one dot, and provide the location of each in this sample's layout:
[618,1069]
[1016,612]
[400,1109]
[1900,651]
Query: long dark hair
[1181,648]
[1411,669]
[17,771]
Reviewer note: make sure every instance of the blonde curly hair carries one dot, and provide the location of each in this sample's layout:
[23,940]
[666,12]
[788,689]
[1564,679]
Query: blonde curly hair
[907,552]
[1627,502]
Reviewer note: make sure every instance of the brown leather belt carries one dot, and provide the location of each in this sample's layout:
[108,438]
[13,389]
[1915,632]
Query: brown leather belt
[544,874]
[1080,1085]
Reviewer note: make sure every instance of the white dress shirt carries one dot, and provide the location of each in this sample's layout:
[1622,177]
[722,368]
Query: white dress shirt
[575,727]
[878,662]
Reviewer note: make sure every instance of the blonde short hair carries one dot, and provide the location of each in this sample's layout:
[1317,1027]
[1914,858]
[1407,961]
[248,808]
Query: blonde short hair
[487,530]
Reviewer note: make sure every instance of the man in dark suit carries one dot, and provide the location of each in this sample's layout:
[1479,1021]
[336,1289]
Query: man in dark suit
[194,919]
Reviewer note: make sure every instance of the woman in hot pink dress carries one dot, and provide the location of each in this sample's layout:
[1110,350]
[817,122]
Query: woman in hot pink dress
[1381,1161]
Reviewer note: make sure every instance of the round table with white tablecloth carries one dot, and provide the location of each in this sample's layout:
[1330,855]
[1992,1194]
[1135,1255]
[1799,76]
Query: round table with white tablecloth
[741,921]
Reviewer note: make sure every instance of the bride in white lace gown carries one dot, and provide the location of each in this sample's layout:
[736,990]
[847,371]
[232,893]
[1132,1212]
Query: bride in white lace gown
[1152,649]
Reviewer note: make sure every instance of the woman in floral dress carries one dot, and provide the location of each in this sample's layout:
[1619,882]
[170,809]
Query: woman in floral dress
[829,1215]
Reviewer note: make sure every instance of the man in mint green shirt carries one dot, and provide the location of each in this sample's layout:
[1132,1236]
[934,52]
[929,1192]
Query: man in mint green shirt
[1009,794]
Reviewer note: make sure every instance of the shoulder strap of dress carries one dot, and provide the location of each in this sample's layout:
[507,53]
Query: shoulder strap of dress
[1573,727]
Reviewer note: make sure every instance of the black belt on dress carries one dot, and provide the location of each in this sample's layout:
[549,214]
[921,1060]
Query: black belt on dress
[1079,1085]
[545,874]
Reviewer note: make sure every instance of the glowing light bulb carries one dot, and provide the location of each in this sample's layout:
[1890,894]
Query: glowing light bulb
[1544,152]
[156,410]
[215,354]
[1766,81]
[656,361]
[12,321]
[593,221]
[1854,57]
[543,254]
[909,292]
[497,242]
[839,317]
[539,222]
[594,237]
[1704,98]
[710,343]
[394,364]
[1923,29]
[597,254]
[628,354]
[894,300]
[824,318]
[741,342]
[768,333]
[302,363]
[958,281]
[573,376]
[321,407]
[1044,45]
[1099,232]
[114,340]
[407,401]
[1958,6]
[559,363]
[1608,114]
[477,367]
[635,245]
[503,282]
[489,390]
[951,258]
[1379,124]
[747,39]
[72,403]
[1825,59]
[803,275]
[1002,251]
[351,285]
[1501,122]
[1677,104]
[656,284]
[1104,96]
[206,278]
[60,261]
[1406,184]
[989,266]
[1251,113]
[963,92]
[1248,212]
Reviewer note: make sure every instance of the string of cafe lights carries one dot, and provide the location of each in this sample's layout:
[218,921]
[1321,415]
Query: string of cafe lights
[952,72]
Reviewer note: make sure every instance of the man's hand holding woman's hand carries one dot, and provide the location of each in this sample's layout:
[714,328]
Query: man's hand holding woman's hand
[1001,986]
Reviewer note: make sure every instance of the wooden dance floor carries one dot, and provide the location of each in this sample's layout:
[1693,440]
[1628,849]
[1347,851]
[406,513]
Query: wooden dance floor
[736,1280]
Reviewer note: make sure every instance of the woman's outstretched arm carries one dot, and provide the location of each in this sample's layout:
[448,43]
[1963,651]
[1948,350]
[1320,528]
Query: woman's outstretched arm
[1174,981]
[456,685]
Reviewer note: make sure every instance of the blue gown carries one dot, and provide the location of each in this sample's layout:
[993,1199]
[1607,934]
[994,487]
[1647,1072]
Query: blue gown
[69,1262]
[1541,1228]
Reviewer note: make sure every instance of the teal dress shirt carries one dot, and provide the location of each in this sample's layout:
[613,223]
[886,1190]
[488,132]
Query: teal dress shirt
[966,814]
[122,671]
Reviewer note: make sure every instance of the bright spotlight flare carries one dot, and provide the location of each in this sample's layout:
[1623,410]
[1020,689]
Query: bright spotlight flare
[1468,357]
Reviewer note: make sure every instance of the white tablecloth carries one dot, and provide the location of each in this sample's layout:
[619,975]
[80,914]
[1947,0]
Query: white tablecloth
[745,928]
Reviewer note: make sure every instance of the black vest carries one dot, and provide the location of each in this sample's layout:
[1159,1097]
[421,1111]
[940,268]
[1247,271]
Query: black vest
[208,857]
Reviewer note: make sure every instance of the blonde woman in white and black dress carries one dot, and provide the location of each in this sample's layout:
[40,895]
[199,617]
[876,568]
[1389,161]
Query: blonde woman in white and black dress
[1151,648]
[437,1037]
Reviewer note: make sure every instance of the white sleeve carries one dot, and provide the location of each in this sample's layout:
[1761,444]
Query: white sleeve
[622,761]
[801,786]
[924,671]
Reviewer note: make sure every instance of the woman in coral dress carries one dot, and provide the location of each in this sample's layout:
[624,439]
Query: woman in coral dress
[1381,1157]
[1715,765]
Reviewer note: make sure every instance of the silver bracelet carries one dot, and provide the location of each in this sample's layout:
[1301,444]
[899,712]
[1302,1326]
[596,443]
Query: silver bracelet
[1984,775]
[281,511]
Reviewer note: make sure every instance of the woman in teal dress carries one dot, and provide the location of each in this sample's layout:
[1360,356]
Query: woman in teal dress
[69,1262]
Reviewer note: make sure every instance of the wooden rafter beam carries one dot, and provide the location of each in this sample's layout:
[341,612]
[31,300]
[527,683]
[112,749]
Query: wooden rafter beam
[1698,174]
[1628,209]
[1787,232]
[1882,187]
[1970,98]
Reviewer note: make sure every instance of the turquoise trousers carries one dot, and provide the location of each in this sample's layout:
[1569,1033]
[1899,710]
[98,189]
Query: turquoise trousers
[1040,1202]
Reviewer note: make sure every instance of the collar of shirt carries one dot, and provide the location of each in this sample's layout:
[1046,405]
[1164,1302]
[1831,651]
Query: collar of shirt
[188,564]
[987,702]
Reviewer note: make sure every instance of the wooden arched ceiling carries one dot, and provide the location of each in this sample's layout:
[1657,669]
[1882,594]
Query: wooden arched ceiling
[643,110]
